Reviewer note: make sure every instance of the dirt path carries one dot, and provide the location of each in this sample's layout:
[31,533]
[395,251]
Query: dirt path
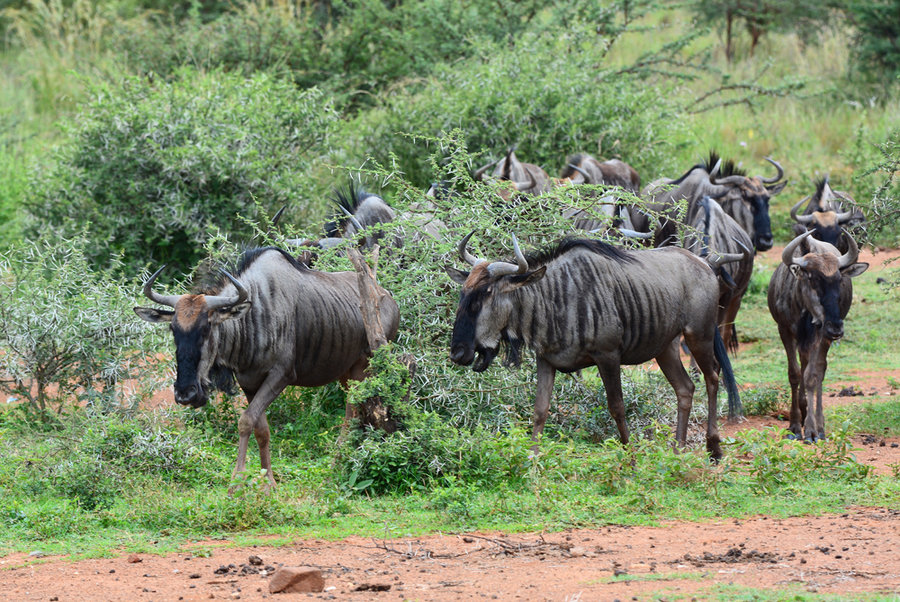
[855,552]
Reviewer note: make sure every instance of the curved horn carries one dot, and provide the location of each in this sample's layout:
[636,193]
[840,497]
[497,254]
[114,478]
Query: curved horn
[502,268]
[520,186]
[584,174]
[735,180]
[716,259]
[852,254]
[218,302]
[843,218]
[464,253]
[802,219]
[353,220]
[278,215]
[520,258]
[777,177]
[635,234]
[715,169]
[169,300]
[787,256]
[479,174]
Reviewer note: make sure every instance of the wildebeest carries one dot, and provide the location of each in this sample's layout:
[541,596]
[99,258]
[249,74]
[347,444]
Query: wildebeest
[274,323]
[827,212]
[746,199]
[715,235]
[525,177]
[584,302]
[612,172]
[809,297]
[359,210]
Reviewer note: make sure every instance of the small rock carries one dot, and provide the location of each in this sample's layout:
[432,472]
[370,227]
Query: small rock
[134,558]
[300,580]
[255,560]
[373,587]
[194,576]
[36,554]
[468,539]
[577,551]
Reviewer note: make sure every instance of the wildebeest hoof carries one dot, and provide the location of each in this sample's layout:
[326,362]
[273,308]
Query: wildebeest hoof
[793,436]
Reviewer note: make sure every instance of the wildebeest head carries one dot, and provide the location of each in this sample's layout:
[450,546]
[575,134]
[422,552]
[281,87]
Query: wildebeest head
[819,273]
[823,214]
[194,321]
[485,304]
[753,195]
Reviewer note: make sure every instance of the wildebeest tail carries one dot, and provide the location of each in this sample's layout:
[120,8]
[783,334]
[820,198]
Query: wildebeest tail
[735,409]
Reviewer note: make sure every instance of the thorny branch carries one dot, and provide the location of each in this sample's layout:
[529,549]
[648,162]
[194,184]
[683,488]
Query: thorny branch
[498,546]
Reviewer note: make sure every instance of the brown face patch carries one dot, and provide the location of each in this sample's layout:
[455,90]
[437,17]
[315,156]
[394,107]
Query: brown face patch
[477,277]
[754,187]
[823,263]
[825,219]
[188,309]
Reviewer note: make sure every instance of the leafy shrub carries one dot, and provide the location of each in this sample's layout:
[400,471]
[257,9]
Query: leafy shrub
[65,329]
[88,481]
[762,401]
[429,452]
[149,168]
[875,46]
[535,92]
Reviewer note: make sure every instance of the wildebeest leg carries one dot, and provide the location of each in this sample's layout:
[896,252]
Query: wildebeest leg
[704,354]
[670,363]
[261,430]
[546,375]
[813,375]
[823,366]
[790,348]
[611,373]
[248,423]
[806,391]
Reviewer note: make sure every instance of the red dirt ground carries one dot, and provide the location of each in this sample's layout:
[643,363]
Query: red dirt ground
[848,554]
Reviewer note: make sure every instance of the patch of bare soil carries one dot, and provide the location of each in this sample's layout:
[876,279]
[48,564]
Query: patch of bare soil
[858,551]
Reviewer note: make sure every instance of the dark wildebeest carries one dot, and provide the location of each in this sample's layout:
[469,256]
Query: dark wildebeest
[583,303]
[809,297]
[745,199]
[715,235]
[827,212]
[359,210]
[525,177]
[584,169]
[607,173]
[274,323]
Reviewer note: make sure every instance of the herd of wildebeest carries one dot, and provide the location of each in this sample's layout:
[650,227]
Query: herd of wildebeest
[581,302]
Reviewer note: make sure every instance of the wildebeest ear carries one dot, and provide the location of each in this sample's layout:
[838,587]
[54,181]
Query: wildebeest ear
[154,315]
[457,276]
[854,270]
[518,281]
[776,188]
[796,270]
[229,313]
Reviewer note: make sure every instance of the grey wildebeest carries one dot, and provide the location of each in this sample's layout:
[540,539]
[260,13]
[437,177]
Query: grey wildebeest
[715,235]
[359,210]
[585,169]
[274,323]
[827,212]
[745,199]
[809,296]
[525,177]
[583,303]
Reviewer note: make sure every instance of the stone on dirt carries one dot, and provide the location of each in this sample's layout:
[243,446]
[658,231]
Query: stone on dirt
[298,580]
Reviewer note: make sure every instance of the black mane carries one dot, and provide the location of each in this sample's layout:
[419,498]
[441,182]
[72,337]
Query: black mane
[349,198]
[567,244]
[727,168]
[214,282]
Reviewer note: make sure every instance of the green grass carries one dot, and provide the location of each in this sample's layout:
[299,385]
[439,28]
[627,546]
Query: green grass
[869,342]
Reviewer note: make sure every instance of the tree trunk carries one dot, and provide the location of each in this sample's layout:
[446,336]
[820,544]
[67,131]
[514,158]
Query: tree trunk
[373,412]
[729,51]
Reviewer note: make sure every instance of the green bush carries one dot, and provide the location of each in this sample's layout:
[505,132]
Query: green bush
[875,46]
[549,93]
[66,331]
[150,168]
